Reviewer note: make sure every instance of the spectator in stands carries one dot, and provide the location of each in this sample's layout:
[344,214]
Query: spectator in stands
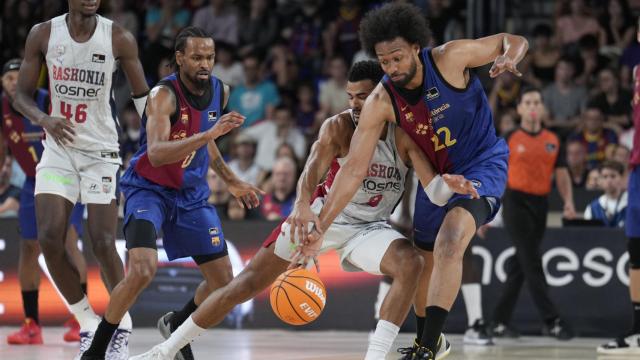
[243,163]
[161,27]
[283,71]
[333,98]
[165,68]
[613,101]
[259,28]
[303,32]
[593,178]
[563,99]
[129,142]
[575,21]
[577,163]
[594,135]
[219,196]
[539,65]
[534,159]
[444,20]
[590,62]
[220,20]
[120,13]
[630,58]
[278,203]
[507,122]
[255,98]
[19,19]
[270,134]
[610,208]
[505,91]
[618,25]
[306,109]
[621,154]
[341,35]
[9,194]
[226,67]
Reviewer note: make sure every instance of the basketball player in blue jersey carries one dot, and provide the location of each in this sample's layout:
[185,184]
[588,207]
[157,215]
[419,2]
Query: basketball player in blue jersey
[24,141]
[80,160]
[434,97]
[166,189]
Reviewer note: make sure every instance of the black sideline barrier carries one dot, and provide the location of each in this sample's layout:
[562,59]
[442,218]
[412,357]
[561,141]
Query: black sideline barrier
[586,270]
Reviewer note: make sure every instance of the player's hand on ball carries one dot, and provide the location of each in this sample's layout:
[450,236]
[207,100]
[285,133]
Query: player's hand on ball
[460,185]
[226,123]
[246,194]
[501,64]
[299,220]
[308,250]
[59,128]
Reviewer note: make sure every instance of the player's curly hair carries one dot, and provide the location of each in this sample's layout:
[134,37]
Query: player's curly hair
[365,70]
[391,21]
[181,40]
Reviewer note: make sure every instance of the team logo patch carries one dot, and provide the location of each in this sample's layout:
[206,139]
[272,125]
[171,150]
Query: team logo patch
[93,189]
[213,115]
[409,117]
[432,93]
[476,184]
[98,58]
[215,238]
[550,147]
[422,129]
[106,184]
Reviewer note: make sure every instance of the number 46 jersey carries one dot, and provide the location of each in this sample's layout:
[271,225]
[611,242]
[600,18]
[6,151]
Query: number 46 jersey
[80,77]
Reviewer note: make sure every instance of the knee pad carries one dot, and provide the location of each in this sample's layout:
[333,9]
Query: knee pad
[634,253]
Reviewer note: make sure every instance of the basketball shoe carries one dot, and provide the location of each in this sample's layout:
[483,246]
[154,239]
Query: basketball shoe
[29,334]
[73,334]
[119,346]
[164,326]
[156,353]
[625,345]
[86,337]
[443,351]
[477,334]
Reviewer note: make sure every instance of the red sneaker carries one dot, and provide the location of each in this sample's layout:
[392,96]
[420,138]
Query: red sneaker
[29,334]
[73,335]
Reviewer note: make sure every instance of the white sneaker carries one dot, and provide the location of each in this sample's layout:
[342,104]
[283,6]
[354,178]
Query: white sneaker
[477,334]
[444,349]
[629,345]
[119,345]
[156,353]
[86,337]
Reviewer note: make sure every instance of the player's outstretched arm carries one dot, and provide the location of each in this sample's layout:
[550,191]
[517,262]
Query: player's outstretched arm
[245,193]
[323,151]
[162,150]
[59,129]
[439,189]
[504,50]
[373,118]
[125,50]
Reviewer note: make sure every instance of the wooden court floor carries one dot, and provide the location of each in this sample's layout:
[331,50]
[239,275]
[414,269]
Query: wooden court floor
[309,345]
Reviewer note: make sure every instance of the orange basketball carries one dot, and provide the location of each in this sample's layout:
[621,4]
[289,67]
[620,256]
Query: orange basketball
[298,296]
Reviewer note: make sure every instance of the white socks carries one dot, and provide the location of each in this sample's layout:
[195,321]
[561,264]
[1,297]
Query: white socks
[472,301]
[183,335]
[126,323]
[383,290]
[381,341]
[83,312]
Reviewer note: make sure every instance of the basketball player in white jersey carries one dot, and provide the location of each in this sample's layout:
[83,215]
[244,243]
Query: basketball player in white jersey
[361,234]
[80,159]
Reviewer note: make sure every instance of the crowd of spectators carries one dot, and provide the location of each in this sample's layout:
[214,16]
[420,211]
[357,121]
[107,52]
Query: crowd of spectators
[287,61]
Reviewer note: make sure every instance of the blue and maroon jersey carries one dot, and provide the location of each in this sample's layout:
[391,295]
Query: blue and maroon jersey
[23,138]
[454,127]
[187,178]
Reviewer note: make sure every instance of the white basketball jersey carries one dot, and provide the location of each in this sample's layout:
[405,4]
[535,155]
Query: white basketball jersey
[382,189]
[80,77]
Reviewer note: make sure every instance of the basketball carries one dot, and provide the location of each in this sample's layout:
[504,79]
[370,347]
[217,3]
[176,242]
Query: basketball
[298,296]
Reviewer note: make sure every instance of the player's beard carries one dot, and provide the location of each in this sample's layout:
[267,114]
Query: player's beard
[410,75]
[199,83]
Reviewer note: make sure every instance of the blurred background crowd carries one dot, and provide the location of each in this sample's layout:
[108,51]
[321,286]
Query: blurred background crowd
[287,63]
